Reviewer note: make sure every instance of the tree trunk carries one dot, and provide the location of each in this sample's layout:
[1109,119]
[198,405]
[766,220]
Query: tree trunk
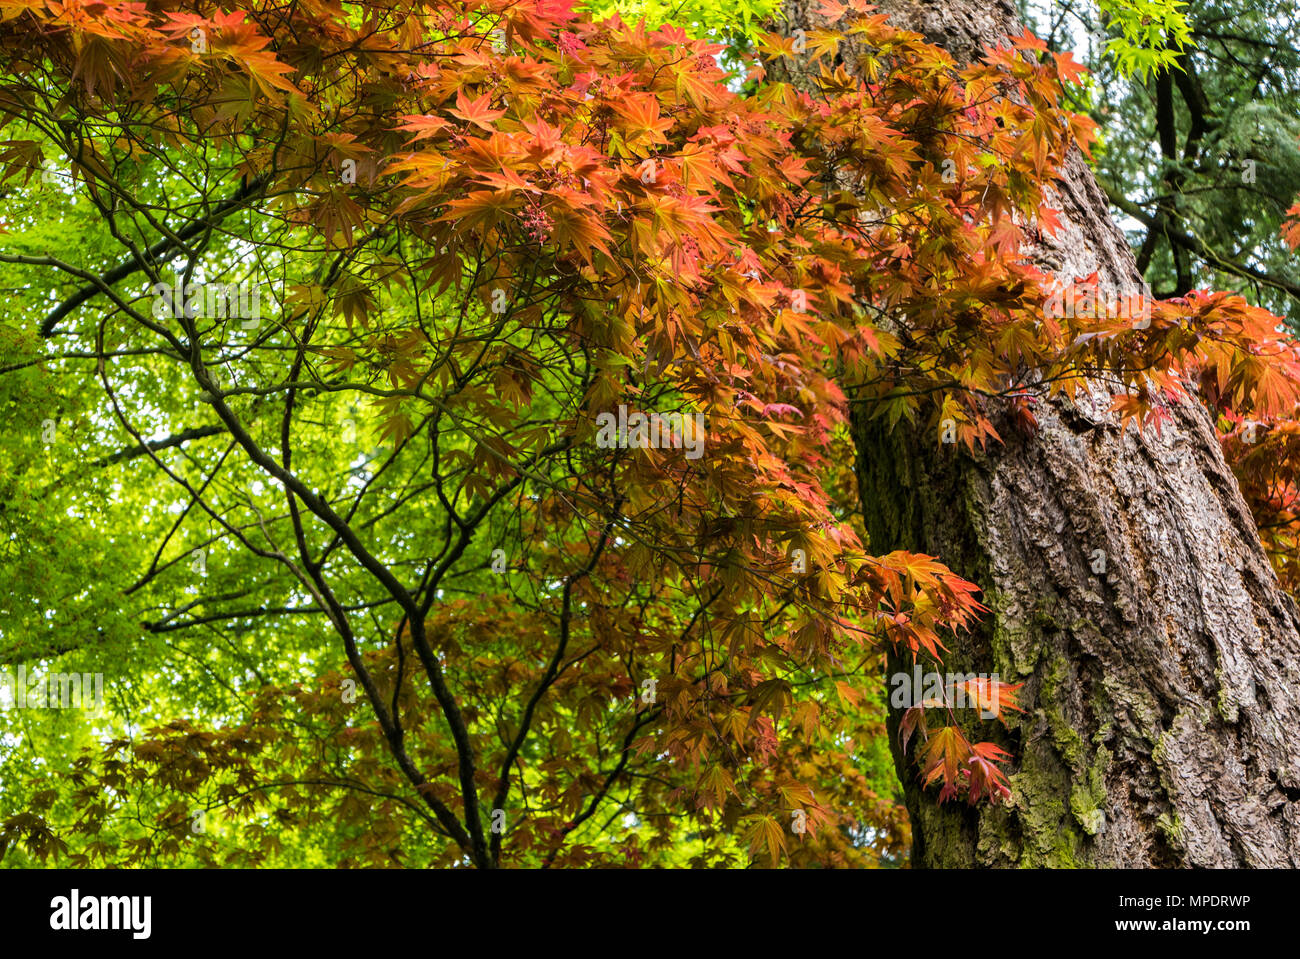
[1162,726]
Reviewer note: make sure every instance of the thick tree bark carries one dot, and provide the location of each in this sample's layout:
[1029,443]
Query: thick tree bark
[1162,723]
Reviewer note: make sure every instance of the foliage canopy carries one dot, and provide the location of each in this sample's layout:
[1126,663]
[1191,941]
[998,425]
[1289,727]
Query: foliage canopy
[363,584]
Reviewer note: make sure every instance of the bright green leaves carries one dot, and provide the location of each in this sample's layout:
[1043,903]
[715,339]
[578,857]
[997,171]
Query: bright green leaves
[1152,34]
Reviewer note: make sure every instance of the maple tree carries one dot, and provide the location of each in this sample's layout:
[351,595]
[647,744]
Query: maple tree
[477,635]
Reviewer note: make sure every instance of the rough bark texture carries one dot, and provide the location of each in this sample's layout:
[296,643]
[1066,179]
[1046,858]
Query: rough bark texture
[1162,726]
